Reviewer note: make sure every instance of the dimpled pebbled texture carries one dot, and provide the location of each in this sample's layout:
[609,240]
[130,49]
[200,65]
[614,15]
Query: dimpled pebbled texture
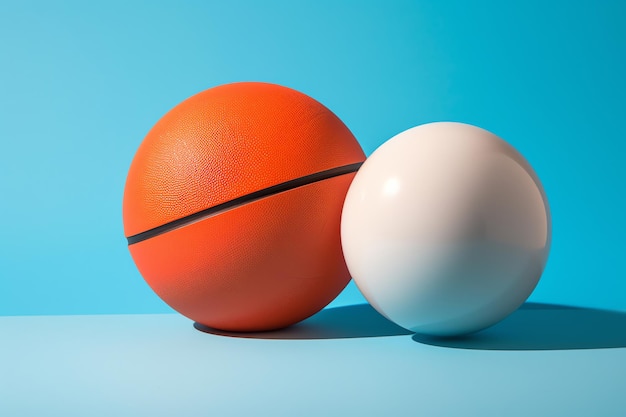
[261,266]
[227,142]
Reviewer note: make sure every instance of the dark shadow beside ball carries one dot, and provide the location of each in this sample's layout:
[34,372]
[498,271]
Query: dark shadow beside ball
[536,326]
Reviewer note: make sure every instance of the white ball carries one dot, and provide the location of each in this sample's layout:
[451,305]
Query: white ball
[446,229]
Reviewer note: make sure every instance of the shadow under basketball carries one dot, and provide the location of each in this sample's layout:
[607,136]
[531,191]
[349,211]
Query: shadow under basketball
[360,320]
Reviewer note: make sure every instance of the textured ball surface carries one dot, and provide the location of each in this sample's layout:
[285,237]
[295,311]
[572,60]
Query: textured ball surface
[446,229]
[262,263]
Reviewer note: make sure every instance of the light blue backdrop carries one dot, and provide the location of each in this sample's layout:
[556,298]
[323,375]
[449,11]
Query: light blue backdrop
[82,82]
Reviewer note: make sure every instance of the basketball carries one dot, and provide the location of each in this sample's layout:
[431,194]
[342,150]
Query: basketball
[232,206]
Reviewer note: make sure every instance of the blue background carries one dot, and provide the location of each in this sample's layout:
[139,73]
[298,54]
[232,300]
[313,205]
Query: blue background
[81,83]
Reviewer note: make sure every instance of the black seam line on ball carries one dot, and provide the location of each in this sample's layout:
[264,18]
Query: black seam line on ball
[248,198]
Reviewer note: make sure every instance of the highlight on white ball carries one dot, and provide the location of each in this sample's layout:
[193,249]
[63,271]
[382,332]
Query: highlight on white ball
[446,229]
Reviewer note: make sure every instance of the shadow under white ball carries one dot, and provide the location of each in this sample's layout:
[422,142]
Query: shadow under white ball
[446,229]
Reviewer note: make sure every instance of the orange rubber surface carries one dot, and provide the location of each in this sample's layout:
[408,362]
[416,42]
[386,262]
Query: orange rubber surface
[260,266]
[227,142]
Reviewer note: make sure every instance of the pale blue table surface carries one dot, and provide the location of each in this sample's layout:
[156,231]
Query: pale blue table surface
[544,360]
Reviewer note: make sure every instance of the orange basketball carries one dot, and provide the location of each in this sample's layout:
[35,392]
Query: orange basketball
[232,206]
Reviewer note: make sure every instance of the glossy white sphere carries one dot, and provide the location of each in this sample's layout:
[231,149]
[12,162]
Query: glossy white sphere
[446,229]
